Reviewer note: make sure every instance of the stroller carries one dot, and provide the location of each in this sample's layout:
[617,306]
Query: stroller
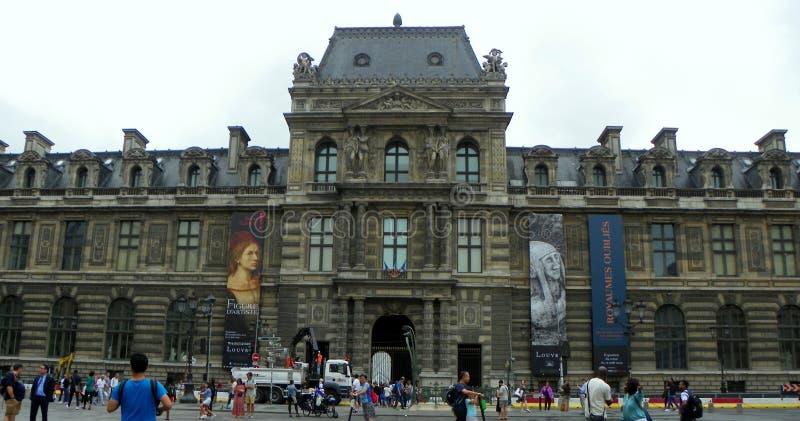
[327,405]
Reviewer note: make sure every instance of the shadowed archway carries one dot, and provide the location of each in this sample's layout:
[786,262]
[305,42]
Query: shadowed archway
[387,337]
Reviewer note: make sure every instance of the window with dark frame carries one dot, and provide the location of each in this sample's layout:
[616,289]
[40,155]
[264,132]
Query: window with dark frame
[467,164]
[789,337]
[599,176]
[717,178]
[82,177]
[74,237]
[10,325]
[723,248]
[775,179]
[732,338]
[396,163]
[541,176]
[320,250]
[128,245]
[325,163]
[193,179]
[669,336]
[254,176]
[469,245]
[119,329]
[784,254]
[20,245]
[659,179]
[63,327]
[188,247]
[136,177]
[30,178]
[663,241]
[395,243]
[176,334]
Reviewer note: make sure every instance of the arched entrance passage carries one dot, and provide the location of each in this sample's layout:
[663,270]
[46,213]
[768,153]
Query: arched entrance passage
[387,338]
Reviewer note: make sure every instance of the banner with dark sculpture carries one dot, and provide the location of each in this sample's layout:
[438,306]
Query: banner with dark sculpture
[245,251]
[547,290]
[606,254]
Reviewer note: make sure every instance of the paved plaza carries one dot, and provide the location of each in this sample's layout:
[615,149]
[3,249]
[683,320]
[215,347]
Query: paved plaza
[264,412]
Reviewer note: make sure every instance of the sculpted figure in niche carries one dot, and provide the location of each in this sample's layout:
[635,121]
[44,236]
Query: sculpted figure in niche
[303,67]
[356,149]
[436,146]
[494,62]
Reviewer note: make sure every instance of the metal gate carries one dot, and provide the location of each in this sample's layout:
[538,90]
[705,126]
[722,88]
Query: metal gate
[381,367]
[399,360]
[469,359]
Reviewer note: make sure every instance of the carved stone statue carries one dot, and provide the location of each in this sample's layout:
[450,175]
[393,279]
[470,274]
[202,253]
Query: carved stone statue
[303,67]
[494,62]
[436,146]
[356,149]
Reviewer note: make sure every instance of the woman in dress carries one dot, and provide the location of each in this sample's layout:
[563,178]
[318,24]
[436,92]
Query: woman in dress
[238,399]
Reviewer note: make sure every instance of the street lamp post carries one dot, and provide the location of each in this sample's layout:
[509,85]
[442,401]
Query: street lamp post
[411,345]
[187,308]
[723,387]
[207,309]
[628,307]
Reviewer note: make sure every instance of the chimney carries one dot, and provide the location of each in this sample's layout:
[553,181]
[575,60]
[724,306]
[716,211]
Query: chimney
[37,142]
[236,145]
[775,139]
[610,138]
[3,146]
[133,139]
[666,139]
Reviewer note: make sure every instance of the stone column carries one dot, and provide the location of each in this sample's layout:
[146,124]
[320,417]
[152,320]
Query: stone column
[343,328]
[447,358]
[430,229]
[427,336]
[361,233]
[344,225]
[445,234]
[360,338]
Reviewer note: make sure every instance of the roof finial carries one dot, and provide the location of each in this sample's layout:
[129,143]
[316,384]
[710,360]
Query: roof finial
[398,21]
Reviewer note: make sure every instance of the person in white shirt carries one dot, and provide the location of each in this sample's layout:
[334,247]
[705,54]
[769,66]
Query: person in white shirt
[598,395]
[356,388]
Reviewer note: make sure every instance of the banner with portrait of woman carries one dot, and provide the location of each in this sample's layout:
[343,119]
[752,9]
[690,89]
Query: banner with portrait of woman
[548,293]
[242,304]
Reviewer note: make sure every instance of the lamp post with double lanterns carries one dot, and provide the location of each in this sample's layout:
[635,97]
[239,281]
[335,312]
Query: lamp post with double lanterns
[629,307]
[718,333]
[188,309]
[411,346]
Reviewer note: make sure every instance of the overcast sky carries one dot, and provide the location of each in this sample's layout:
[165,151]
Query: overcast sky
[723,72]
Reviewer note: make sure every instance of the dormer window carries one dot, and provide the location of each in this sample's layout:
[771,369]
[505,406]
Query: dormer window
[659,179]
[775,179]
[361,60]
[435,59]
[30,178]
[193,179]
[717,178]
[254,176]
[599,176]
[82,177]
[136,177]
[541,178]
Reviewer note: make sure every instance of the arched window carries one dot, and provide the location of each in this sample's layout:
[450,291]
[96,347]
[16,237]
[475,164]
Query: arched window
[136,177]
[659,179]
[63,327]
[732,338]
[789,337]
[30,178]
[193,177]
[540,176]
[254,176]
[119,330]
[176,334]
[10,325]
[325,163]
[82,177]
[599,176]
[717,178]
[467,164]
[775,179]
[670,338]
[396,163]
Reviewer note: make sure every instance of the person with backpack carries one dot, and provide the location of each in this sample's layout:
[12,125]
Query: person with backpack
[9,391]
[457,397]
[691,407]
[364,397]
[139,396]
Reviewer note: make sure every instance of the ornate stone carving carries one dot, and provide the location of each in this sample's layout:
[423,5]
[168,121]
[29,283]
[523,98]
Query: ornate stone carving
[494,62]
[541,151]
[194,152]
[599,152]
[472,104]
[717,154]
[694,237]
[217,244]
[657,153]
[356,149]
[634,249]
[156,242]
[328,104]
[136,153]
[257,152]
[29,156]
[396,101]
[46,243]
[304,69]
[436,147]
[755,250]
[83,155]
[99,243]
[386,82]
[573,247]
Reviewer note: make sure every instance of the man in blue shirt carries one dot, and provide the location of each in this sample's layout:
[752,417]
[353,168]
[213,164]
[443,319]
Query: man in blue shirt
[42,391]
[138,400]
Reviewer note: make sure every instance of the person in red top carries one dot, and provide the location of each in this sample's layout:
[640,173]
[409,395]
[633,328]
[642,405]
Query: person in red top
[319,364]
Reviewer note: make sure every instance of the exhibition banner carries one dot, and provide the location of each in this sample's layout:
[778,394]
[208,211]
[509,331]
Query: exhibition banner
[242,304]
[547,290]
[607,259]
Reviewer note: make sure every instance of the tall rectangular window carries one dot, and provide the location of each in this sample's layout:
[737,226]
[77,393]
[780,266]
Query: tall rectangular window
[320,250]
[469,245]
[128,245]
[395,243]
[784,257]
[74,236]
[188,246]
[663,239]
[723,246]
[20,243]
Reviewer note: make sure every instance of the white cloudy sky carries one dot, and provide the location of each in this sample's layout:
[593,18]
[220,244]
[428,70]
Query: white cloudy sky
[723,72]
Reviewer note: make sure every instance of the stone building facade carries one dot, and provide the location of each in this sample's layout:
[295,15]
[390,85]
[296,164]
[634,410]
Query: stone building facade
[398,207]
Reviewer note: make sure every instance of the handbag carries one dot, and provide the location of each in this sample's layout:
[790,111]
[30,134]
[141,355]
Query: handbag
[518,393]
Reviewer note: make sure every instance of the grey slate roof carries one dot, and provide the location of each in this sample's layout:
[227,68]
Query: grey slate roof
[399,52]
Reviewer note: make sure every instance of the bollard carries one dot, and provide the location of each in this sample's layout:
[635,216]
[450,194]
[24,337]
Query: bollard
[738,408]
[710,406]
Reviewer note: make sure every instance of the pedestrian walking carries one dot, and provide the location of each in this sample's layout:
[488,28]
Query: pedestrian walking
[546,394]
[135,396]
[10,390]
[687,414]
[238,399]
[291,399]
[88,391]
[565,391]
[632,409]
[502,400]
[522,396]
[42,391]
[250,395]
[365,395]
[463,392]
[598,396]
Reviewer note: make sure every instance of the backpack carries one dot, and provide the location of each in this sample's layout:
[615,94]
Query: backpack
[452,396]
[694,406]
[153,389]
[373,395]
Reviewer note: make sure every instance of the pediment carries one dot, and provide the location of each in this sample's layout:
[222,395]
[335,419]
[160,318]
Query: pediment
[599,152]
[541,151]
[658,154]
[397,99]
[29,156]
[83,155]
[775,155]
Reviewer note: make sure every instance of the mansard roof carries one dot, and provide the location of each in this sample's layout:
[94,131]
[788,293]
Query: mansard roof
[399,53]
